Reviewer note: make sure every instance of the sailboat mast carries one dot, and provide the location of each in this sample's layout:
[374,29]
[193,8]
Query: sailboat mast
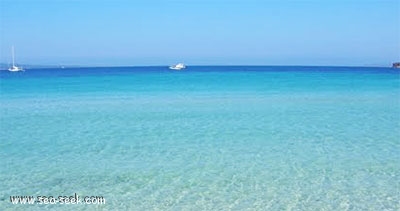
[12,53]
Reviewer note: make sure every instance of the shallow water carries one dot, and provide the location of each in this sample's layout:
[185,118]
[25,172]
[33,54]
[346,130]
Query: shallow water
[207,138]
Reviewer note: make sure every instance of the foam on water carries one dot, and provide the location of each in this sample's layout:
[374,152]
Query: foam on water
[208,138]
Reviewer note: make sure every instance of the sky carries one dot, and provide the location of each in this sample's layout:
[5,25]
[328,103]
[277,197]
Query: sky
[201,32]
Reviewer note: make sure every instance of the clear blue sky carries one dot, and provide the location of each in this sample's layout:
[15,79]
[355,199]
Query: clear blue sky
[161,32]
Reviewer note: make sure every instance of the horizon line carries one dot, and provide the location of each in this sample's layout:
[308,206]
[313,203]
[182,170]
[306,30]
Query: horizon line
[38,66]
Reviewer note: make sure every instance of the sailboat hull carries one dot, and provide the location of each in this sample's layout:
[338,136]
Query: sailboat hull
[15,69]
[178,66]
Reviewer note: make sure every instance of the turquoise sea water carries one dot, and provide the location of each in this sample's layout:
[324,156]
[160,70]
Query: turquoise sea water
[207,138]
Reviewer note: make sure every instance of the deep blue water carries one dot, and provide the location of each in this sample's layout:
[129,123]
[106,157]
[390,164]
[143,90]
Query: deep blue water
[57,72]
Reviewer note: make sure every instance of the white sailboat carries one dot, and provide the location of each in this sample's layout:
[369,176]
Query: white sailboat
[14,68]
[178,66]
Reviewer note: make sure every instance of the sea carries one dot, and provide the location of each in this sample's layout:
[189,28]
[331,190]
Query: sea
[204,138]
